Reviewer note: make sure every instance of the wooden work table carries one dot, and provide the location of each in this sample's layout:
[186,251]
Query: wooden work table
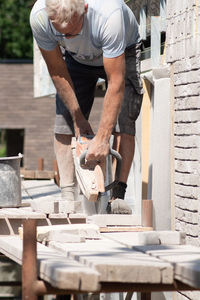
[78,258]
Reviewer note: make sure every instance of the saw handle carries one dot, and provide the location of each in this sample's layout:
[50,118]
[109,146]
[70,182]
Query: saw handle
[116,155]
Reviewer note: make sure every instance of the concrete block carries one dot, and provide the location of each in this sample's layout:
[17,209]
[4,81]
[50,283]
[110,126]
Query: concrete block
[47,205]
[89,231]
[171,237]
[131,239]
[110,220]
[69,206]
[20,213]
[64,237]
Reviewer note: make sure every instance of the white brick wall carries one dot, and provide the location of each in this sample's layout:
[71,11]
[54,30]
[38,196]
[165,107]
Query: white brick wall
[183,53]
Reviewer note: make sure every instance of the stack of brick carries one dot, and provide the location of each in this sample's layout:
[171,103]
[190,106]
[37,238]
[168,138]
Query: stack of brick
[183,53]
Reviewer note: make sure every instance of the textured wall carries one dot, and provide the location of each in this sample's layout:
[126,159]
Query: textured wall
[183,52]
[18,110]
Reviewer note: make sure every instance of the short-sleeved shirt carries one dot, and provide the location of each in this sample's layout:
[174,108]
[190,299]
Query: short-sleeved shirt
[109,27]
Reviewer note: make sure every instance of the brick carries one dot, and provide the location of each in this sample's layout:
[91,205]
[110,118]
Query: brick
[186,216]
[186,191]
[187,103]
[187,166]
[192,141]
[186,203]
[187,179]
[192,89]
[186,128]
[187,154]
[187,116]
[187,77]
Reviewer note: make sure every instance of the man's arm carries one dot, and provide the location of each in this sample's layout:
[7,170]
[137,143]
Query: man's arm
[64,86]
[115,70]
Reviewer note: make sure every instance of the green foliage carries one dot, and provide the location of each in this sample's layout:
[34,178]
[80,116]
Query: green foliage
[15,32]
[2,150]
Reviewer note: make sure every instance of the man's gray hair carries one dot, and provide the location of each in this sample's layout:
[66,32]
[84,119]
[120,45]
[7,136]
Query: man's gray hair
[61,11]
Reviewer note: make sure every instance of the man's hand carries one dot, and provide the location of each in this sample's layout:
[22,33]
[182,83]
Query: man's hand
[82,127]
[97,150]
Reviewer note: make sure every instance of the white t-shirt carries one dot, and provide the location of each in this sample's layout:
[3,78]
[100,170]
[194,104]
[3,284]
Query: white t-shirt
[109,27]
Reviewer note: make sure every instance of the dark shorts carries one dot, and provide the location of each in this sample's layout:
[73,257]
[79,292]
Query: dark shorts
[85,78]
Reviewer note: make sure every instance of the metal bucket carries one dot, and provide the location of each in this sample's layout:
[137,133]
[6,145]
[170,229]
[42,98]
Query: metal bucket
[10,181]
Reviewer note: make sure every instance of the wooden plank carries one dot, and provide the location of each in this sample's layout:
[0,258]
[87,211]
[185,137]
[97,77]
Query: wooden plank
[37,174]
[147,213]
[124,229]
[58,270]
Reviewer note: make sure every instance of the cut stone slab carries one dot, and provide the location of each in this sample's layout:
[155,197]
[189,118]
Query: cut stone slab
[171,237]
[185,258]
[40,188]
[71,216]
[61,272]
[116,263]
[87,231]
[65,237]
[114,220]
[20,213]
[47,205]
[131,239]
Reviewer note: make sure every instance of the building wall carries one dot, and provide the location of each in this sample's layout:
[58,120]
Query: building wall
[183,55]
[19,110]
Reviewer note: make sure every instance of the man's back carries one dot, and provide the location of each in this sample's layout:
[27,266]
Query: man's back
[109,27]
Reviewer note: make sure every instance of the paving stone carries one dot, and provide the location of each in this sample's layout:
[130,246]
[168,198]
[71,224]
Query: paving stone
[131,239]
[185,258]
[65,237]
[117,263]
[59,271]
[109,220]
[89,231]
[20,213]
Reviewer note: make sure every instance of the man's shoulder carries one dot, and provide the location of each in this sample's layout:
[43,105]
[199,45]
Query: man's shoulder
[38,7]
[104,7]
[38,16]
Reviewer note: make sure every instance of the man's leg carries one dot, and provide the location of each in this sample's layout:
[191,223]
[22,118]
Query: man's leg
[125,128]
[125,145]
[84,85]
[62,145]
